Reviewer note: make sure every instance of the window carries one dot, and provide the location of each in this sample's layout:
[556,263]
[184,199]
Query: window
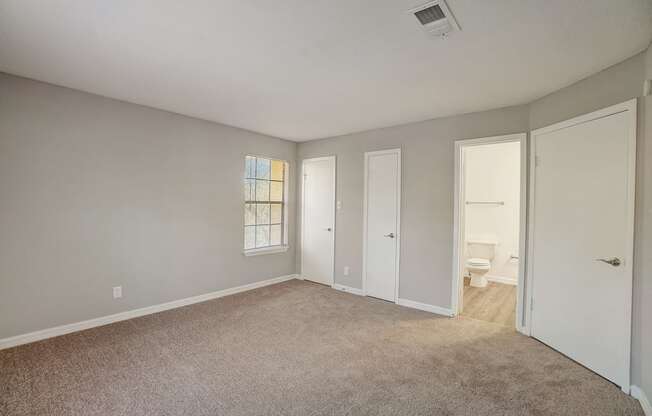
[265,197]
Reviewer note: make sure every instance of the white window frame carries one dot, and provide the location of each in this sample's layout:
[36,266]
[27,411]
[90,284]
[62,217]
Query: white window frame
[284,246]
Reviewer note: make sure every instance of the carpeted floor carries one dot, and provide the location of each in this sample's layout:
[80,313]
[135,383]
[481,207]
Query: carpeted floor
[299,348]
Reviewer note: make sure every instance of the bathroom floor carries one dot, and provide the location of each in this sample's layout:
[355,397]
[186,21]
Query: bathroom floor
[494,303]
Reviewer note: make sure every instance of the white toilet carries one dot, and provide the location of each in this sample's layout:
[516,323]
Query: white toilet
[479,261]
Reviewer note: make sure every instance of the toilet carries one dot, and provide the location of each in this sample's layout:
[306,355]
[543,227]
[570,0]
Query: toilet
[479,261]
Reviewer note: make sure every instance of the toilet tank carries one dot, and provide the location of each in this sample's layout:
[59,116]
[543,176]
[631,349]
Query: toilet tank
[481,249]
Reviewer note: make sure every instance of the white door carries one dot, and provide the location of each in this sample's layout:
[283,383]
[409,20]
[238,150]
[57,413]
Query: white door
[382,224]
[318,220]
[582,242]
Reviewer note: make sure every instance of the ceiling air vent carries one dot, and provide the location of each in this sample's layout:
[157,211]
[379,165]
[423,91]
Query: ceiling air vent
[430,15]
[436,18]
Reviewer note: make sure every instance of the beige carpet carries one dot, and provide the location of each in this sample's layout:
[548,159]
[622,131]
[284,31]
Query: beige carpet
[299,348]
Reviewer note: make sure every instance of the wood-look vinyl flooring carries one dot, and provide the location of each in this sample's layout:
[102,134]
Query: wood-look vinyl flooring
[494,303]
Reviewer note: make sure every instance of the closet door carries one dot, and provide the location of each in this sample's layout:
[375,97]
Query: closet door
[382,224]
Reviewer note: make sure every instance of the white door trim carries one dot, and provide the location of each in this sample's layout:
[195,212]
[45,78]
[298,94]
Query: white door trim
[458,221]
[303,217]
[398,220]
[628,263]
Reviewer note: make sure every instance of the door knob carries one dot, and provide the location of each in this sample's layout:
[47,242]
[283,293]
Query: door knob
[328,229]
[613,261]
[390,235]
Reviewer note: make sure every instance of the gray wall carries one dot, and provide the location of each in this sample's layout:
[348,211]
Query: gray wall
[614,85]
[96,193]
[642,328]
[427,195]
[642,325]
[643,286]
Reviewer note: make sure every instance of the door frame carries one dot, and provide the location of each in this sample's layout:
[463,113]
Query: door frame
[458,223]
[396,151]
[303,205]
[628,263]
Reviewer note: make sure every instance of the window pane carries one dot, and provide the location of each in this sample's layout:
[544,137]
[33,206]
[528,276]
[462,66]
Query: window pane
[278,166]
[250,167]
[249,190]
[262,190]
[262,213]
[262,235]
[277,212]
[275,235]
[262,168]
[264,193]
[276,191]
[250,214]
[250,237]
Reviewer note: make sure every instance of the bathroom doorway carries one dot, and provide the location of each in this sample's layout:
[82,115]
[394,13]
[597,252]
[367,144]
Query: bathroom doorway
[490,204]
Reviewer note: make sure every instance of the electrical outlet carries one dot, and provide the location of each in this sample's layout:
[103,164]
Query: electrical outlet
[346,270]
[117,292]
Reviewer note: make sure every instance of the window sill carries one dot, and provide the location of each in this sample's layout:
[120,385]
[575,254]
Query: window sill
[265,250]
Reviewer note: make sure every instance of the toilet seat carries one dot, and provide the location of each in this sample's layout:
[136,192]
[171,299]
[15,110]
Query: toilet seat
[477,262]
[477,268]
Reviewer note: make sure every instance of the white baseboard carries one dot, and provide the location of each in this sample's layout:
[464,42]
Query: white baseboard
[122,316]
[347,289]
[425,307]
[638,394]
[502,279]
[403,302]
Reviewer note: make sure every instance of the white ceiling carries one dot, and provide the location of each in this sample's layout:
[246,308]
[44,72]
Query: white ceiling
[302,70]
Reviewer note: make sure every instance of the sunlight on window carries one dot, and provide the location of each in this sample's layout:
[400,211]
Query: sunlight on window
[264,210]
